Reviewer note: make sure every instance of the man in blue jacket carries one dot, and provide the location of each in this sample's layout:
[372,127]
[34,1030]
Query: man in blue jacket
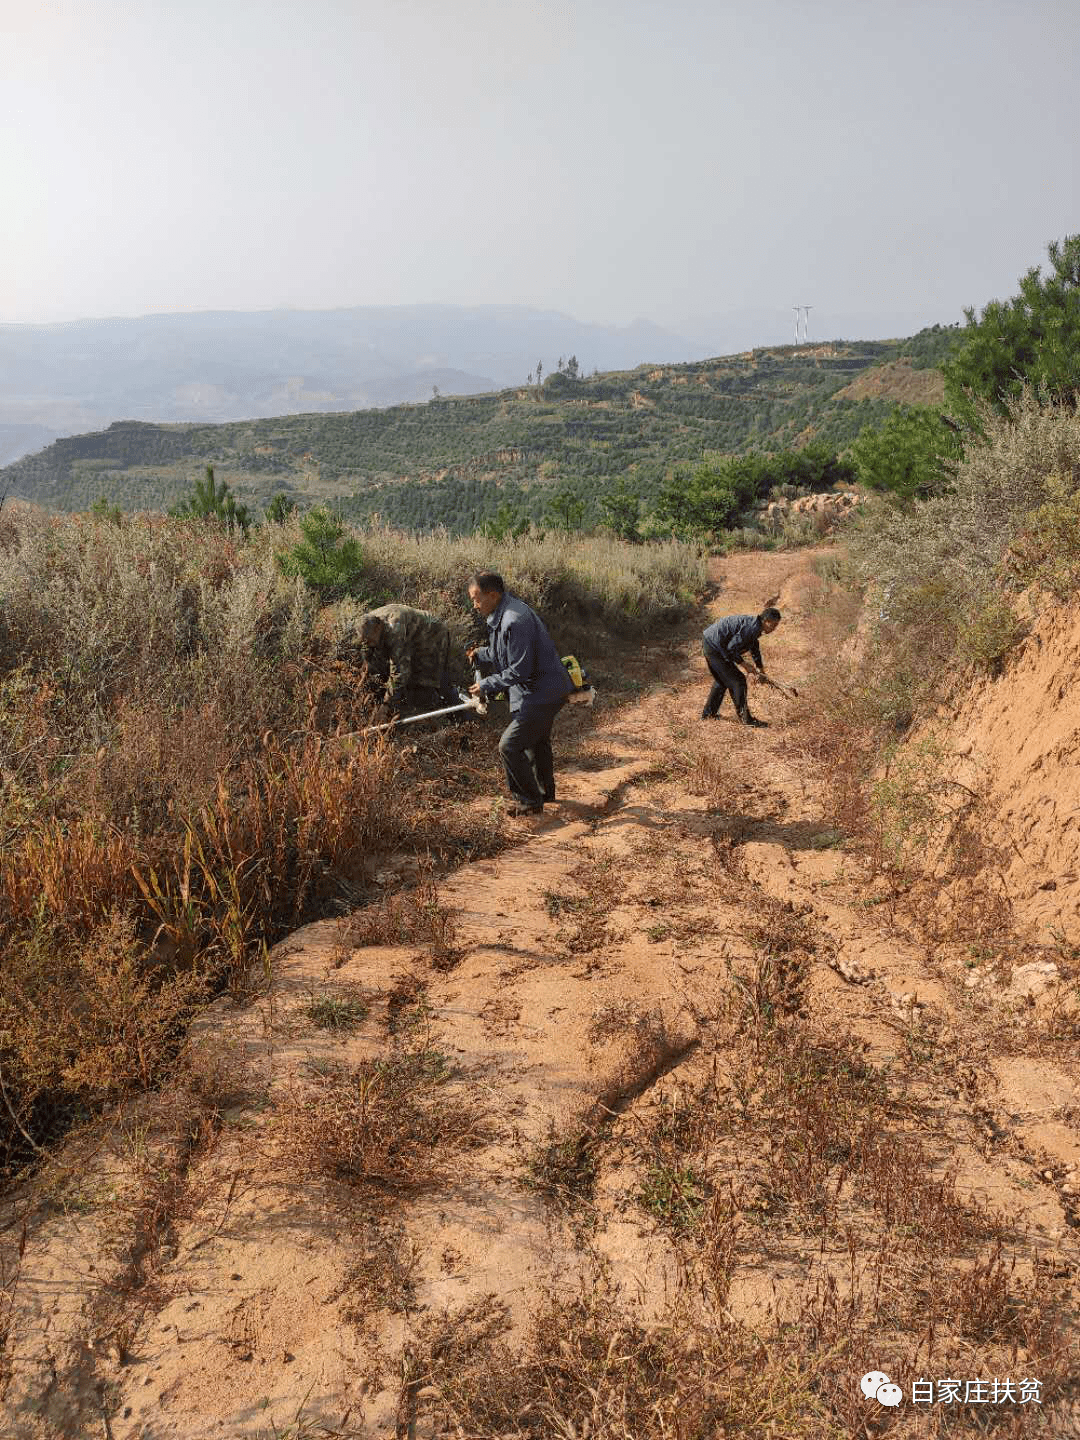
[527,666]
[725,642]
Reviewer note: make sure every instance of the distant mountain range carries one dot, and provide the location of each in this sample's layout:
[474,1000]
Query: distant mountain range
[229,365]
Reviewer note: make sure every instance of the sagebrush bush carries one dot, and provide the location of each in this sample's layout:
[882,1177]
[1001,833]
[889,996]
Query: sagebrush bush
[109,606]
[1046,552]
[1012,467]
[574,581]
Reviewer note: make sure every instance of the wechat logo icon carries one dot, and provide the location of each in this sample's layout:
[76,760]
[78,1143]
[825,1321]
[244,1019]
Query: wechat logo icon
[876,1385]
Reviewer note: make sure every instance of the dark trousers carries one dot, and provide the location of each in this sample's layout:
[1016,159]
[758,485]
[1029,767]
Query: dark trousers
[525,747]
[726,676]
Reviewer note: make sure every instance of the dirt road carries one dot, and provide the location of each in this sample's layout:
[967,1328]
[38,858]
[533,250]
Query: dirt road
[669,1052]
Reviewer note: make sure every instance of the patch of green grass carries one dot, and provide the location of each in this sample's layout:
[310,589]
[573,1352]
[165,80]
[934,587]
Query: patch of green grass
[331,1012]
[675,1194]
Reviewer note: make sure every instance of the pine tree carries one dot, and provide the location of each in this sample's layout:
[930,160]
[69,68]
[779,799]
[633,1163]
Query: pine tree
[279,509]
[1033,338]
[327,558]
[208,500]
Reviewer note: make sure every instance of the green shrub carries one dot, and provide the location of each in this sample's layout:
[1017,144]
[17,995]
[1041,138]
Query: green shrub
[102,510]
[279,509]
[566,510]
[913,453]
[703,502]
[621,509]
[949,562]
[987,630]
[906,800]
[325,557]
[699,503]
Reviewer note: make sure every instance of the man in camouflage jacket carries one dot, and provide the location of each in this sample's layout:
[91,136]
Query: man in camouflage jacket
[408,656]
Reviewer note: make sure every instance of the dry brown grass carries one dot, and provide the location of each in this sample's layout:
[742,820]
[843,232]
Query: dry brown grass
[793,1144]
[587,1367]
[563,1169]
[165,1138]
[583,913]
[414,917]
[394,1123]
[83,1024]
[111,940]
[382,1278]
[168,702]
[796,1147]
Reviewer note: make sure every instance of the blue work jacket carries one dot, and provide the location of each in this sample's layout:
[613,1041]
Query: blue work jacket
[734,635]
[526,663]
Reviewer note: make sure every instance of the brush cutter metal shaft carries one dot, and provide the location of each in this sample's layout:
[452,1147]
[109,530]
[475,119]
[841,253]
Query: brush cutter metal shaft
[472,704]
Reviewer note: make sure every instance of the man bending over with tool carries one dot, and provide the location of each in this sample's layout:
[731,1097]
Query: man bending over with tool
[408,656]
[725,642]
[527,665]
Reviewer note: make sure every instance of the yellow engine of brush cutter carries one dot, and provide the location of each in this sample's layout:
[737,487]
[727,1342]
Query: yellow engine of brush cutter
[583,692]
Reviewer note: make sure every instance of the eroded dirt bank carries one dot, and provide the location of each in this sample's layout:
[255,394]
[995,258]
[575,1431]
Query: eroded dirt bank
[671,1083]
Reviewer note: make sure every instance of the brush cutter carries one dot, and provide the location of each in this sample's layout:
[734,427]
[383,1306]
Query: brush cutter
[468,702]
[583,692]
[476,703]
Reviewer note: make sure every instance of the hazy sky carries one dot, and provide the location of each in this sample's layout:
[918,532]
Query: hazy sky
[610,158]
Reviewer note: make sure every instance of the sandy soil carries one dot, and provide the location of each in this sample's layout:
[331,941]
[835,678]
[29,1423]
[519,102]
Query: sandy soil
[581,987]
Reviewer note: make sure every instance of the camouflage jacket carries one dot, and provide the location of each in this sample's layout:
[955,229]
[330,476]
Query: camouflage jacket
[417,645]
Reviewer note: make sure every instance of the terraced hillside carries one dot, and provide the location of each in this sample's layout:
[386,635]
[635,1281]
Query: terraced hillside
[455,460]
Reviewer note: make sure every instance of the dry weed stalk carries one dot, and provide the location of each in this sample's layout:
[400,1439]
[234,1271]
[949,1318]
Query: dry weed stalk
[167,1139]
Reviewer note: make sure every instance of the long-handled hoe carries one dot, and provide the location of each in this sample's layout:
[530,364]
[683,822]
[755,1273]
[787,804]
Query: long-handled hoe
[788,690]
